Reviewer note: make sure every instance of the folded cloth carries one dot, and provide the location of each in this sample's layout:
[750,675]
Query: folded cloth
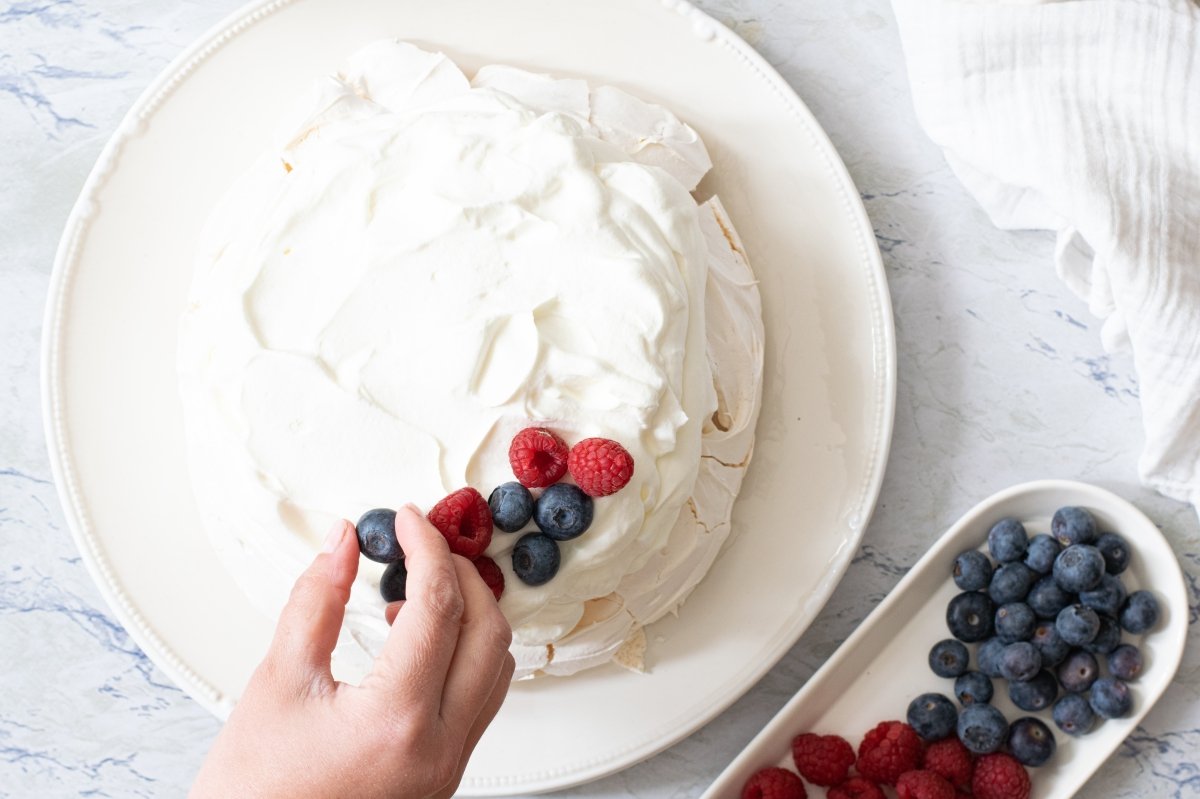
[1083,117]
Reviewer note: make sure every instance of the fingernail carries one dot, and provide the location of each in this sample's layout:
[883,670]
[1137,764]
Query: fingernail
[334,537]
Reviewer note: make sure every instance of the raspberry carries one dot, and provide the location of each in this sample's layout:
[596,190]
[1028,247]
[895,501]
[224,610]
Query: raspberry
[822,759]
[1000,776]
[774,783]
[466,521]
[600,466]
[923,785]
[888,751]
[538,457]
[856,788]
[949,759]
[491,575]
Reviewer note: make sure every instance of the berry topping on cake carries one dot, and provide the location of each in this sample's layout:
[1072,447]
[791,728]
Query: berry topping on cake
[377,536]
[538,457]
[535,558]
[600,466]
[856,788]
[887,751]
[512,506]
[1000,776]
[923,785]
[393,582]
[774,783]
[491,575]
[822,759]
[563,512]
[466,522]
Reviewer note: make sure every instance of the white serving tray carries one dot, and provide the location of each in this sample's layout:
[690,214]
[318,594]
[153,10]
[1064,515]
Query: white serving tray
[881,667]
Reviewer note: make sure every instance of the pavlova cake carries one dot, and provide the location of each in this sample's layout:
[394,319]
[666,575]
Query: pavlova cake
[423,268]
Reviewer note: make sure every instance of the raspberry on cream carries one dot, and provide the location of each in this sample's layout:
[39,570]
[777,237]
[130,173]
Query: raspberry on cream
[424,265]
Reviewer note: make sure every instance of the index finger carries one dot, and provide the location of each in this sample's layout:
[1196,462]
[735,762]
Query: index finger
[421,643]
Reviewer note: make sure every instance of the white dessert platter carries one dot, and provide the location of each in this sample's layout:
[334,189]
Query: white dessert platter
[114,418]
[879,669]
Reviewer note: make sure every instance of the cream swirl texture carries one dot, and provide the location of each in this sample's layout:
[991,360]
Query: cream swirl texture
[422,266]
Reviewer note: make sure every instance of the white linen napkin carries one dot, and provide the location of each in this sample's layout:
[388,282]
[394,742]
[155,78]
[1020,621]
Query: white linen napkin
[1083,117]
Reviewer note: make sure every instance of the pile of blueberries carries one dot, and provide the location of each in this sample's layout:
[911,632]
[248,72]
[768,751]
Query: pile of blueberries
[1045,616]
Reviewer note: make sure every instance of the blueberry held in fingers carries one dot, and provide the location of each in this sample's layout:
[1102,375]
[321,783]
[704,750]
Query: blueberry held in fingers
[377,536]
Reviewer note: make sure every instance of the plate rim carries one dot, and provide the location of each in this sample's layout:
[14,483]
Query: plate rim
[67,259]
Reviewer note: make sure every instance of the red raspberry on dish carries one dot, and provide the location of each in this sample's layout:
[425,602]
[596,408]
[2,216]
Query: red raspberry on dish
[1000,776]
[491,575]
[856,788]
[888,751]
[466,520]
[822,759]
[950,760]
[774,783]
[538,457]
[600,466]
[923,785]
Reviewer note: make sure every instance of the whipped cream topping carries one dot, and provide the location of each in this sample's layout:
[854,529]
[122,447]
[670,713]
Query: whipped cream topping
[425,264]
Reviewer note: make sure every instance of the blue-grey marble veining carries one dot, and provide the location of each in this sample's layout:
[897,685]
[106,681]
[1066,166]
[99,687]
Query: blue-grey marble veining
[996,361]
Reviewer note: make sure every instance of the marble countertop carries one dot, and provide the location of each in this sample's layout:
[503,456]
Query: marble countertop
[1002,379]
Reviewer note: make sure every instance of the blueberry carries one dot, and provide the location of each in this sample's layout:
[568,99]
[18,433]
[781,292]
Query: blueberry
[1043,549]
[1125,662]
[1078,568]
[1077,624]
[1077,673]
[1020,661]
[535,558]
[1073,715]
[1007,540]
[969,616]
[1115,552]
[1107,597]
[972,570]
[972,687]
[563,511]
[1036,694]
[1047,599]
[1015,622]
[933,716]
[1140,612]
[1049,643]
[1107,637]
[512,506]
[1111,698]
[1030,741]
[1011,583]
[1072,525]
[377,536]
[393,581]
[948,658]
[988,656]
[982,728]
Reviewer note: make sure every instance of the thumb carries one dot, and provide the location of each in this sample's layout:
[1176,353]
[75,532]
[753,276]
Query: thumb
[312,618]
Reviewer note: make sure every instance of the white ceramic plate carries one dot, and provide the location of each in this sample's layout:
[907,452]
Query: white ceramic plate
[881,667]
[114,420]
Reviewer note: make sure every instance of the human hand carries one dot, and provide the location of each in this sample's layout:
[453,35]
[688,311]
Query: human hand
[408,729]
